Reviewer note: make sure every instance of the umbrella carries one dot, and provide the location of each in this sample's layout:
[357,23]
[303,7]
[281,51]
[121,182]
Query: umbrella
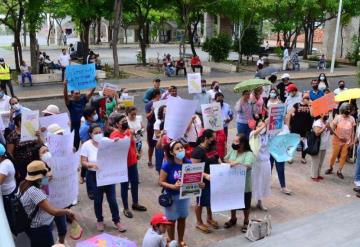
[353,93]
[265,72]
[107,240]
[250,85]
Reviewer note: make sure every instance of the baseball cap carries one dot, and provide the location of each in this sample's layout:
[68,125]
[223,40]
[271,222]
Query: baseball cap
[51,109]
[291,87]
[160,219]
[286,75]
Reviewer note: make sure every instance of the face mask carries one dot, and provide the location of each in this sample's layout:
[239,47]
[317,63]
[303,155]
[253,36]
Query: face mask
[325,118]
[98,137]
[216,88]
[125,126]
[221,102]
[235,146]
[273,95]
[315,87]
[46,157]
[322,78]
[341,86]
[44,181]
[16,107]
[203,90]
[347,112]
[180,155]
[95,117]
[2,94]
[322,86]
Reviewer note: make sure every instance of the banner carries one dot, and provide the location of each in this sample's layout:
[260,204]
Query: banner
[191,176]
[323,105]
[110,89]
[106,240]
[29,125]
[276,118]
[60,145]
[212,116]
[61,119]
[194,83]
[227,187]
[112,161]
[283,147]
[179,113]
[80,77]
[64,185]
[157,105]
[128,100]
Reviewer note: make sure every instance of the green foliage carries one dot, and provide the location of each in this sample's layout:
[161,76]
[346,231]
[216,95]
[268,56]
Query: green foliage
[250,43]
[218,47]
[354,54]
[279,52]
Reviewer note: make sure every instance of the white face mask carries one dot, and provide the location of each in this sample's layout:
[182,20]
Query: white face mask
[16,107]
[95,117]
[46,157]
[98,137]
[322,78]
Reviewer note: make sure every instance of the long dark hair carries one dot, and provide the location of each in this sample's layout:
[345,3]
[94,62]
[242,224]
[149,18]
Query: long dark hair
[169,149]
[244,141]
[161,112]
[208,133]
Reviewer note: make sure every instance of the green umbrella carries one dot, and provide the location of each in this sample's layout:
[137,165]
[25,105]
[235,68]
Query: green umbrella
[249,85]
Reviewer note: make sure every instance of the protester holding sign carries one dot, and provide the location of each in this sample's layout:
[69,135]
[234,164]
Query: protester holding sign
[227,113]
[88,159]
[240,154]
[158,128]
[205,152]
[202,98]
[245,111]
[137,127]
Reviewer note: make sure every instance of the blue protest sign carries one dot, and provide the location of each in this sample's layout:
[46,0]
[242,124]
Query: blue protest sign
[283,147]
[80,77]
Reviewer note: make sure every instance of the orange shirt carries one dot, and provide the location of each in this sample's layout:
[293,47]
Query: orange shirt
[132,156]
[344,128]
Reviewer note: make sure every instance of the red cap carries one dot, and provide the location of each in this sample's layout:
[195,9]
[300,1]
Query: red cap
[291,87]
[160,219]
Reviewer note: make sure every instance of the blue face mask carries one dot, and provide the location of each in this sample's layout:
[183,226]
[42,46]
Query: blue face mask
[180,155]
[44,181]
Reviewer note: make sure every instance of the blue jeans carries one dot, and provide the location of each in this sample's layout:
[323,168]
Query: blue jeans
[159,157]
[109,190]
[243,128]
[134,182]
[26,75]
[169,70]
[60,222]
[280,168]
[357,169]
[90,183]
[41,236]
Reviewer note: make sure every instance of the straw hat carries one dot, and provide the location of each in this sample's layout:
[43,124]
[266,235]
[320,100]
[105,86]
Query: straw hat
[36,170]
[55,129]
[51,109]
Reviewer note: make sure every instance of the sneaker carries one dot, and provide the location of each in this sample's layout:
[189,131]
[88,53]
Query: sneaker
[100,226]
[286,191]
[339,174]
[329,171]
[120,227]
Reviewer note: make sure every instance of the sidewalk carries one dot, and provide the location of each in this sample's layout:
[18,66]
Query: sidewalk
[55,90]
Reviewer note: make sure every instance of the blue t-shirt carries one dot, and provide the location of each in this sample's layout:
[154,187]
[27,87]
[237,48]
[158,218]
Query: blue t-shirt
[173,171]
[315,96]
[152,119]
[76,109]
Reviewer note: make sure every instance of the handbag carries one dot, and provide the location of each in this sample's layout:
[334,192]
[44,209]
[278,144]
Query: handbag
[165,199]
[259,229]
[313,143]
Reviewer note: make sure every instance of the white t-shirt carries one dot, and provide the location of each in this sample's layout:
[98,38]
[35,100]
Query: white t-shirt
[325,136]
[212,93]
[89,151]
[9,184]
[338,90]
[153,239]
[136,124]
[156,127]
[291,101]
[64,60]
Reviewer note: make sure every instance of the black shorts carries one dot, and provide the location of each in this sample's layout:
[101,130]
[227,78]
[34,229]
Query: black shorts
[149,136]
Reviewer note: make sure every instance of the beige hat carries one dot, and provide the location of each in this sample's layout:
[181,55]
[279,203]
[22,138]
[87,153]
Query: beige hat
[36,170]
[55,129]
[58,245]
[51,109]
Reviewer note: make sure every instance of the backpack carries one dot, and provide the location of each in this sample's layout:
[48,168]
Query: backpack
[313,143]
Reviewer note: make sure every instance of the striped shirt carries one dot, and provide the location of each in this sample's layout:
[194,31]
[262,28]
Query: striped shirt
[32,197]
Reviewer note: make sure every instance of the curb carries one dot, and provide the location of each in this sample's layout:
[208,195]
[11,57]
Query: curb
[182,85]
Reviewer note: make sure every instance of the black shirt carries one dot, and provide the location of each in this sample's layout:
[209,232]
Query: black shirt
[282,90]
[210,157]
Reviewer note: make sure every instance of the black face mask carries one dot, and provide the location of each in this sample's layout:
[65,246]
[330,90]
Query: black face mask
[315,87]
[124,126]
[212,144]
[221,102]
[342,86]
[325,118]
[235,146]
[216,88]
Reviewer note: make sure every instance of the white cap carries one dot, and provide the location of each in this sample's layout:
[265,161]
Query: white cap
[55,129]
[286,75]
[51,109]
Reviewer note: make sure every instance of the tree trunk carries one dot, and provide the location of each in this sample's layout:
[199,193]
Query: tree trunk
[24,34]
[238,63]
[16,53]
[306,41]
[34,52]
[342,40]
[191,38]
[98,25]
[147,33]
[86,33]
[126,36]
[143,52]
[49,32]
[115,34]
[110,34]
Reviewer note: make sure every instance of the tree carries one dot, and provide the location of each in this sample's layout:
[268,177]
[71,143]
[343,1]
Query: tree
[127,18]
[250,42]
[115,29]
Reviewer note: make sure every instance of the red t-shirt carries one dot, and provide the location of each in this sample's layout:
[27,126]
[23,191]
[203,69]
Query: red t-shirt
[195,61]
[132,157]
[220,143]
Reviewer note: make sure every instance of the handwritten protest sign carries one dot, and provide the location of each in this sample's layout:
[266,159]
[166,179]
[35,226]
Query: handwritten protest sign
[64,185]
[61,119]
[323,105]
[157,105]
[227,187]
[106,240]
[191,176]
[110,89]
[128,100]
[60,145]
[112,162]
[283,147]
[80,77]
[194,83]
[178,116]
[212,116]
[29,125]
[276,118]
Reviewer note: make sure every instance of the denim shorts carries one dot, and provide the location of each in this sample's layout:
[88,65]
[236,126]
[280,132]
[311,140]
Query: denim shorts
[204,199]
[178,209]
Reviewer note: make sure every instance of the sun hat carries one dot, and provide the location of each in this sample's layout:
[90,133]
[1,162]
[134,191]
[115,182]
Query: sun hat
[36,170]
[286,75]
[51,109]
[55,129]
[291,87]
[160,219]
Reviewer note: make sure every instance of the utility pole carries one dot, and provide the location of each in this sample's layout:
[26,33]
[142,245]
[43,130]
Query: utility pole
[336,38]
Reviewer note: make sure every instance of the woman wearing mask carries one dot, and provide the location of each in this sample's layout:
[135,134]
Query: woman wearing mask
[15,110]
[321,127]
[257,101]
[20,152]
[158,129]
[315,93]
[136,126]
[273,98]
[343,128]
[193,130]
[205,152]
[245,111]
[261,172]
[214,89]
[241,154]
[170,180]
[122,131]
[37,206]
[323,83]
[88,155]
[300,121]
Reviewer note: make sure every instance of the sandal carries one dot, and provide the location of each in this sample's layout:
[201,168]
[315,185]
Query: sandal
[329,171]
[339,174]
[303,161]
[213,223]
[245,227]
[230,223]
[128,213]
[138,207]
[183,244]
[203,228]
